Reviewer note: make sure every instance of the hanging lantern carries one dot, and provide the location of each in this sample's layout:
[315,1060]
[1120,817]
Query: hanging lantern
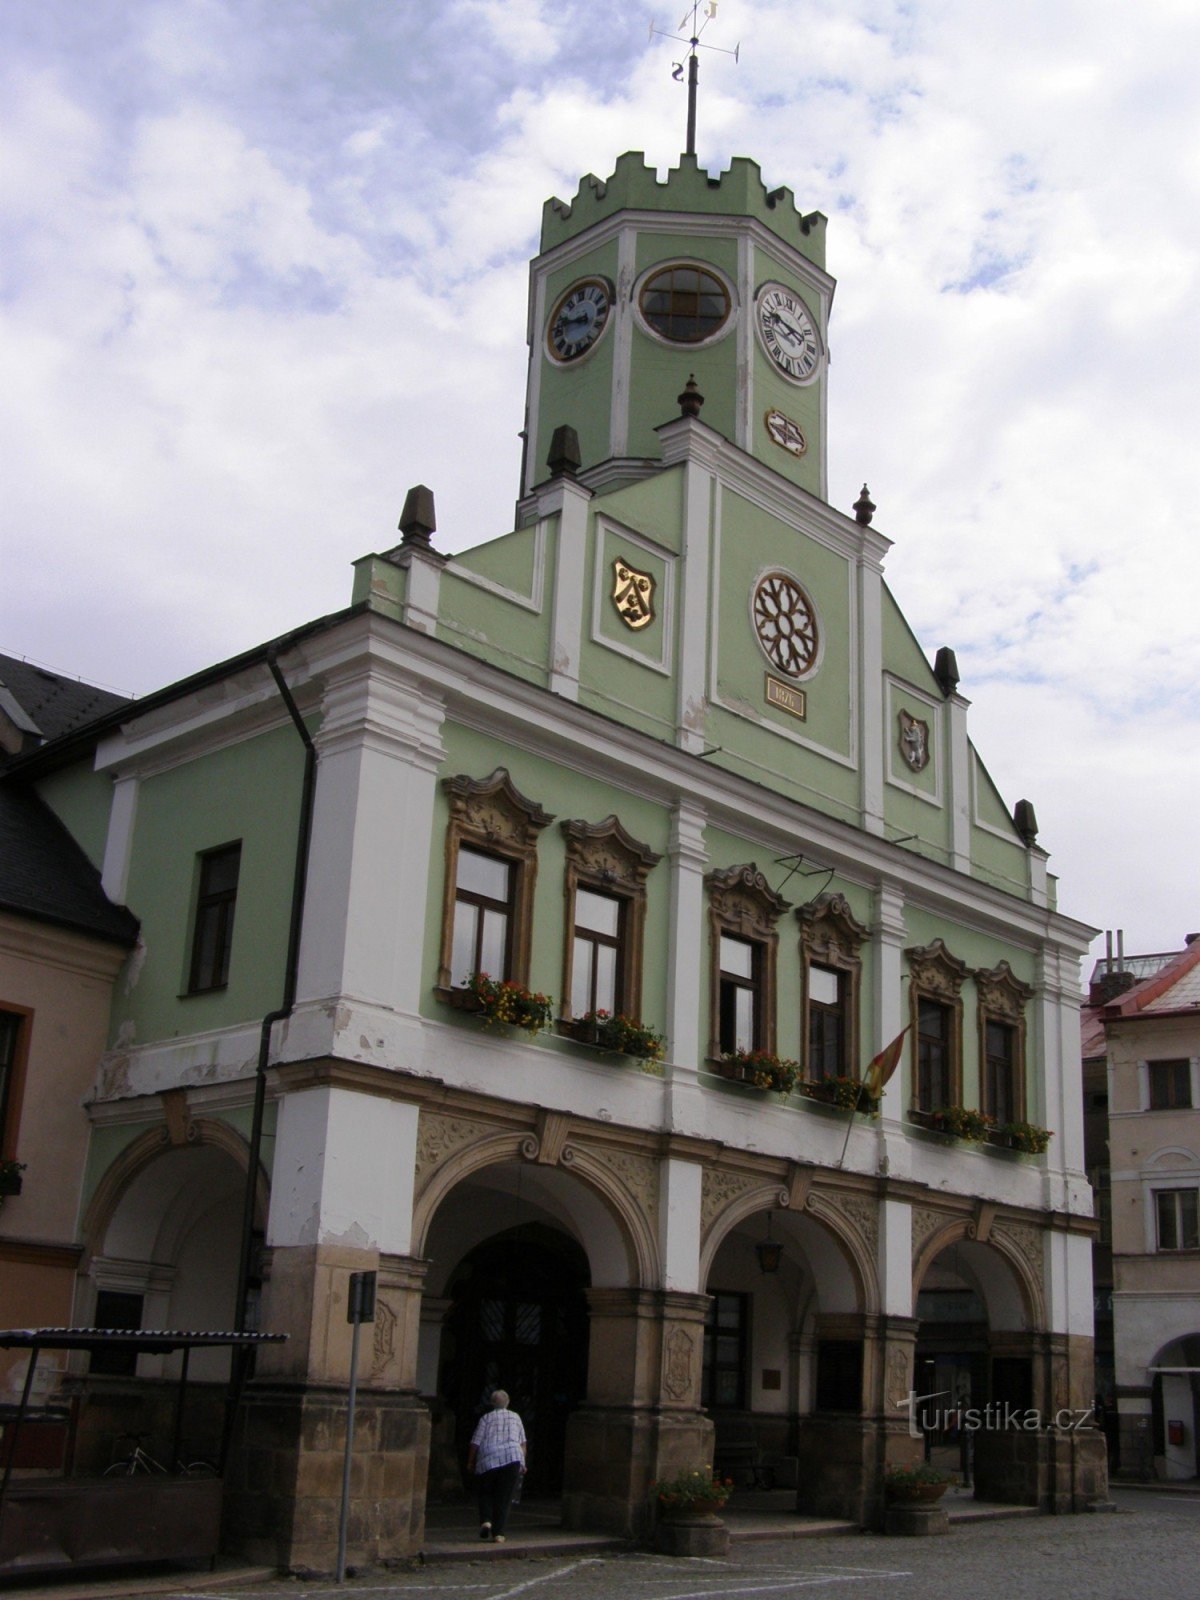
[769,1251]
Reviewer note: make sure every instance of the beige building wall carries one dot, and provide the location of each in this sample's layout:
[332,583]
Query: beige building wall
[62,983]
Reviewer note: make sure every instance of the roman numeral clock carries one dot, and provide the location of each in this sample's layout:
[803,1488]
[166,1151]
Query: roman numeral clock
[789,335]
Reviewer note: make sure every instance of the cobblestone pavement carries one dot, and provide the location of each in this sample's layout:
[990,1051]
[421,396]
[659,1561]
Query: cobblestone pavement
[1149,1549]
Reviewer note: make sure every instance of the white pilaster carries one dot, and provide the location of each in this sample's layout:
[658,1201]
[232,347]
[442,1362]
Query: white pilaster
[688,964]
[959,786]
[118,846]
[379,749]
[872,690]
[622,338]
[1056,1034]
[568,500]
[1068,1284]
[895,1259]
[679,1225]
[342,1172]
[689,441]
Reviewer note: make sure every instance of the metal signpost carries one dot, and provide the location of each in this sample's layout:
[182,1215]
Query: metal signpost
[360,1308]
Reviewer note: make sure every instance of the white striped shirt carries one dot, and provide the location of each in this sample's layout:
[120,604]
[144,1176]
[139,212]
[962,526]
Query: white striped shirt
[498,1440]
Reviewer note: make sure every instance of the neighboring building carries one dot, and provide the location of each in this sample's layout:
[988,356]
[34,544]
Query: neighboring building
[668,749]
[1144,1020]
[62,943]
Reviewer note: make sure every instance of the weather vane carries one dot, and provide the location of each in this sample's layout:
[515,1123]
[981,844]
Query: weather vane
[699,16]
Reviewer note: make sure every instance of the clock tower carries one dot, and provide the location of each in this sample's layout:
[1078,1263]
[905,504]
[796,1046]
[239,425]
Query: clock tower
[641,284]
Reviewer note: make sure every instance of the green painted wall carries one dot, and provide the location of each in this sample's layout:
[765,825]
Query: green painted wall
[81,799]
[248,791]
[492,626]
[576,392]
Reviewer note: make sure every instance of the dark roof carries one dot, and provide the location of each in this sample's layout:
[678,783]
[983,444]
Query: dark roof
[45,874]
[54,704]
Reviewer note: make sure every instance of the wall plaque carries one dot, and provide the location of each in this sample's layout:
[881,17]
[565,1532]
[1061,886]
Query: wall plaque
[793,701]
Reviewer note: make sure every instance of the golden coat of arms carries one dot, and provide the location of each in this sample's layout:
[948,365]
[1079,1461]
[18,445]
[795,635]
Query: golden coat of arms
[632,594]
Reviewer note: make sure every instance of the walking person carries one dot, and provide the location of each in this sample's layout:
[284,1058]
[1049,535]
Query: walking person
[497,1458]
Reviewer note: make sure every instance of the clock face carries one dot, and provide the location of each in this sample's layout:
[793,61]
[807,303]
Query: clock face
[578,319]
[788,333]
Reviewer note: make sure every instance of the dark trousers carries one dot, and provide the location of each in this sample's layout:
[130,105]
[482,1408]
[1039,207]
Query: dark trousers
[495,1490]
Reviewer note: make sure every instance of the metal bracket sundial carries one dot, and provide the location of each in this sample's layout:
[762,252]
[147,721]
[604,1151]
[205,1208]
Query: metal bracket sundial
[699,16]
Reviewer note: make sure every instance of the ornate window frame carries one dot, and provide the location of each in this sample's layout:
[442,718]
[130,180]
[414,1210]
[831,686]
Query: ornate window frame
[605,857]
[831,936]
[742,903]
[1003,998]
[492,815]
[935,974]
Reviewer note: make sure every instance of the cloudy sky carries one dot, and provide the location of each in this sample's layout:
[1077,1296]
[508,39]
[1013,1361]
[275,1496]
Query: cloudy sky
[263,266]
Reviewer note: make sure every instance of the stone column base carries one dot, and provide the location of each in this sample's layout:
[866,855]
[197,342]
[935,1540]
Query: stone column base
[692,1534]
[614,1454]
[284,1479]
[837,1466]
[916,1521]
[1056,1470]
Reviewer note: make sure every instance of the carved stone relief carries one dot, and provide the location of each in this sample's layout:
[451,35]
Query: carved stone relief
[1026,1241]
[385,1336]
[925,1223]
[495,810]
[935,971]
[1002,993]
[677,1364]
[439,1137]
[719,1190]
[638,1174]
[744,901]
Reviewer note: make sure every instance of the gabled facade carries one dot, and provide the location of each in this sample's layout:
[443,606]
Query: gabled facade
[1150,1021]
[667,750]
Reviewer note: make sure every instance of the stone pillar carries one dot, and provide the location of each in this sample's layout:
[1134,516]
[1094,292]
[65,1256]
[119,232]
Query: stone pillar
[642,1419]
[340,1203]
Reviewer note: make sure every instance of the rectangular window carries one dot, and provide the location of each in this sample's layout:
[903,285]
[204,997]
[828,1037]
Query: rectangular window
[935,1062]
[740,991]
[115,1309]
[10,1039]
[1000,1070]
[723,1382]
[483,916]
[827,1030]
[1178,1219]
[212,939]
[1170,1085]
[597,959]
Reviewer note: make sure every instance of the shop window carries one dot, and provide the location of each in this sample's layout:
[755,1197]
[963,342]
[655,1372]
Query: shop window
[1178,1218]
[491,869]
[830,941]
[14,1027]
[1002,1002]
[212,934]
[605,918]
[839,1375]
[743,911]
[1170,1085]
[935,982]
[726,1342]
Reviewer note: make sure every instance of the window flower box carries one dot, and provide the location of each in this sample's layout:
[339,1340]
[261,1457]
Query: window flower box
[501,1003]
[960,1122]
[1026,1137]
[848,1094]
[761,1069]
[618,1034]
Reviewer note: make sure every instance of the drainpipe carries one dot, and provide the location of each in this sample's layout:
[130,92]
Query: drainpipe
[299,878]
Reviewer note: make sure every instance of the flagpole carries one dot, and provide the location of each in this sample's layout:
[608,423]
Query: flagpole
[849,1125]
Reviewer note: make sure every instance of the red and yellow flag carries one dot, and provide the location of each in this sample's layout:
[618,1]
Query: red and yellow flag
[885,1063]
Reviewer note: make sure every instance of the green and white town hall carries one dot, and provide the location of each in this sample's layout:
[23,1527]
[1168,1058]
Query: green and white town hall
[669,752]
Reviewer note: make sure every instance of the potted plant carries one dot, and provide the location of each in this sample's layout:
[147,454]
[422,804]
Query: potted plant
[620,1034]
[503,1003]
[846,1093]
[1026,1136]
[760,1068]
[963,1123]
[695,1493]
[10,1177]
[916,1484]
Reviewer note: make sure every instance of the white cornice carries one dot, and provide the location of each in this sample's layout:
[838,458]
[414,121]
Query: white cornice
[88,955]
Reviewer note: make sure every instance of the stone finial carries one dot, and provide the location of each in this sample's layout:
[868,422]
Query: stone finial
[864,509]
[691,399]
[945,670]
[417,520]
[1025,821]
[564,459]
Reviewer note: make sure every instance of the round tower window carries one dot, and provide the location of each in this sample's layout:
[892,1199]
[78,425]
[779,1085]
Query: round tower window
[684,304]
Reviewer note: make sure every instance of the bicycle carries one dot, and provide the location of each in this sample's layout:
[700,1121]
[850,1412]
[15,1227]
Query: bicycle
[139,1460]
